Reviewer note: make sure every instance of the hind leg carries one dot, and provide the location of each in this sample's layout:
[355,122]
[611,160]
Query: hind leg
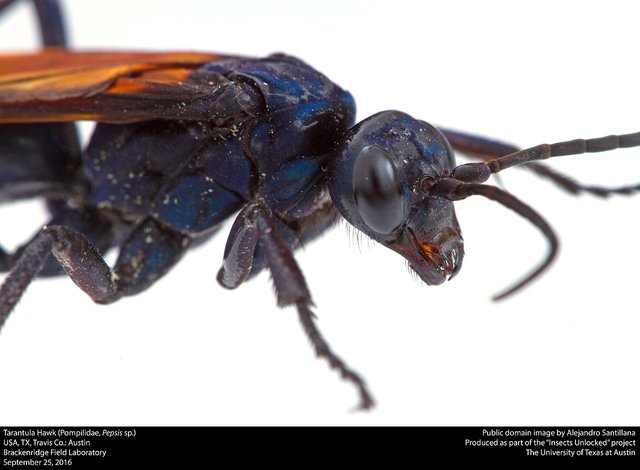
[150,250]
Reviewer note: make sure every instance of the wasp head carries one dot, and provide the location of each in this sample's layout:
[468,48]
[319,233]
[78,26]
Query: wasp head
[380,183]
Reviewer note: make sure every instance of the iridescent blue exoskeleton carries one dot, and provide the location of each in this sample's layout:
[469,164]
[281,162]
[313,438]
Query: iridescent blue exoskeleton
[270,141]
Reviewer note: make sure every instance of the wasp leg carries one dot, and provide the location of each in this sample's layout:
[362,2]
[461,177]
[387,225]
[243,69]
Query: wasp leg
[244,258]
[89,222]
[254,228]
[5,260]
[240,249]
[74,252]
[24,270]
[486,149]
[5,4]
[148,253]
[50,19]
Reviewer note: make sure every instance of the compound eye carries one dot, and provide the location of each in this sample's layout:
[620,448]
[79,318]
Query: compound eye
[377,190]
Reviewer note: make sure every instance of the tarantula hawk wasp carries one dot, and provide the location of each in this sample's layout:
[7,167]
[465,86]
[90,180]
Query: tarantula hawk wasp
[186,140]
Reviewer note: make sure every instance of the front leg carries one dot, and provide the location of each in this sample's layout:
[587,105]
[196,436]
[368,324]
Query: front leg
[256,227]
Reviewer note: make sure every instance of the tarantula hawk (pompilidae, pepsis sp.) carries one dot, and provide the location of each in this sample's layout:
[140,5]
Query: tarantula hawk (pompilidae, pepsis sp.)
[185,141]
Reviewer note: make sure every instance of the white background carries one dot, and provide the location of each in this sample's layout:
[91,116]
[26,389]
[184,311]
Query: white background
[187,352]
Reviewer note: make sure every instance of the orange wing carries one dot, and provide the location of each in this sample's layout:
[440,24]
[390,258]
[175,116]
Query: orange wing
[59,85]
